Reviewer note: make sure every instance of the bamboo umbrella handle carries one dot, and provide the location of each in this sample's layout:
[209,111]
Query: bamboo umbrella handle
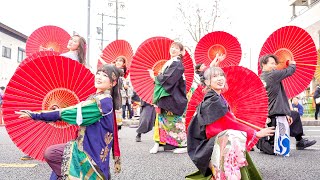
[307,64]
[249,124]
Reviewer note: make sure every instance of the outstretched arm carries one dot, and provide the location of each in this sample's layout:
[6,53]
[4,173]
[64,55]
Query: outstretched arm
[217,60]
[84,113]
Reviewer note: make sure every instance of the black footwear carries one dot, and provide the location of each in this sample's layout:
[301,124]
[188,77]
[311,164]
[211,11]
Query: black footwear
[138,138]
[304,143]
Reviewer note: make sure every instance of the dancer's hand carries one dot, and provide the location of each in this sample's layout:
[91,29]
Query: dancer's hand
[269,131]
[151,73]
[290,120]
[23,113]
[217,60]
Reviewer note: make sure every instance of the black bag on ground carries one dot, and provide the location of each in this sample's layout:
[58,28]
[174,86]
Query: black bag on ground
[265,146]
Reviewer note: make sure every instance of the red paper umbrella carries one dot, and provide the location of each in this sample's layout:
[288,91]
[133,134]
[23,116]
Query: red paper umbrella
[292,43]
[246,96]
[218,42]
[152,54]
[38,55]
[115,49]
[196,98]
[48,37]
[45,83]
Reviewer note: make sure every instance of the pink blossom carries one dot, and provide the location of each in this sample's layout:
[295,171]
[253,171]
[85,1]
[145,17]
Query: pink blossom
[234,159]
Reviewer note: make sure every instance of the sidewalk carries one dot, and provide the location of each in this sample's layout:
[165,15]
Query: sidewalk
[309,121]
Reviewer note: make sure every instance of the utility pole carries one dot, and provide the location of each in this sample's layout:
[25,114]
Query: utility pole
[100,30]
[117,16]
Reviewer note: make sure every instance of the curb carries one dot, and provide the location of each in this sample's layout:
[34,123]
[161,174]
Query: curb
[130,122]
[310,123]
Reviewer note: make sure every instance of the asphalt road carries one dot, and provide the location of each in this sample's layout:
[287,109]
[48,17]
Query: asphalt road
[138,164]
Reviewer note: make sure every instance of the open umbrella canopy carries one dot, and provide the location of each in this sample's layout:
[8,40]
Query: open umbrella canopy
[52,38]
[152,54]
[218,42]
[115,49]
[44,83]
[292,43]
[38,54]
[245,95]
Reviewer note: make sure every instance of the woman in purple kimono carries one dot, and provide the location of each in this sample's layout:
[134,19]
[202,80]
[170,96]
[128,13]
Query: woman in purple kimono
[87,157]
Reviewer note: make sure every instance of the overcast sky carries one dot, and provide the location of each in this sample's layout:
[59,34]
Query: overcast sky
[250,21]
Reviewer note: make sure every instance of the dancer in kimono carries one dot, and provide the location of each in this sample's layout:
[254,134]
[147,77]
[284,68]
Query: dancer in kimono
[88,156]
[170,96]
[77,49]
[217,142]
[199,70]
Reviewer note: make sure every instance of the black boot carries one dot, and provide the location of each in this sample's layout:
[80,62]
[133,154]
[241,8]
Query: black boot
[138,137]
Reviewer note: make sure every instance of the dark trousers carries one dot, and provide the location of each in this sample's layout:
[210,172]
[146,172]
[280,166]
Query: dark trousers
[266,144]
[127,105]
[317,111]
[53,156]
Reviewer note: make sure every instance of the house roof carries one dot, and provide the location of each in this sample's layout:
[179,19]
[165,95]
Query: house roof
[11,32]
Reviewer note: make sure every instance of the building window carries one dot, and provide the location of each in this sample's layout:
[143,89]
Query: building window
[6,52]
[21,54]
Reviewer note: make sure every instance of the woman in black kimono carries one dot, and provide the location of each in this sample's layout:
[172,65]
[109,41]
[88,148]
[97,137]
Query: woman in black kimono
[217,142]
[170,96]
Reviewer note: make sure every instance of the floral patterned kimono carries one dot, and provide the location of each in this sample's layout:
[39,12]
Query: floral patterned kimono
[87,157]
[170,97]
[214,135]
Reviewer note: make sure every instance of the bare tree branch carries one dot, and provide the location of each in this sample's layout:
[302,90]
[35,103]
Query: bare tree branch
[197,21]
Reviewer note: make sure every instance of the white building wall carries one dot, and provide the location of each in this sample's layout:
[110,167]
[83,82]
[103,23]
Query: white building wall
[8,66]
[309,19]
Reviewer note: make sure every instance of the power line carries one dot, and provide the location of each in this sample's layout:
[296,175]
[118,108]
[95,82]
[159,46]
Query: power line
[117,16]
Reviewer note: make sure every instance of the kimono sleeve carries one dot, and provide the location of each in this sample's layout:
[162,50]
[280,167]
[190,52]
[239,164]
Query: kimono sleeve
[89,111]
[159,92]
[199,147]
[90,114]
[170,76]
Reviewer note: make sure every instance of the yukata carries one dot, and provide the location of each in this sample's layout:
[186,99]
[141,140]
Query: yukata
[87,157]
[170,96]
[215,135]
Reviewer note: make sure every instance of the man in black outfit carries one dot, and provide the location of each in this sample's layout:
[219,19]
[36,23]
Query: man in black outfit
[278,104]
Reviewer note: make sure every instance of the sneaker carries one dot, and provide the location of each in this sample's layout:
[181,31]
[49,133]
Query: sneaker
[25,158]
[304,143]
[156,148]
[180,150]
